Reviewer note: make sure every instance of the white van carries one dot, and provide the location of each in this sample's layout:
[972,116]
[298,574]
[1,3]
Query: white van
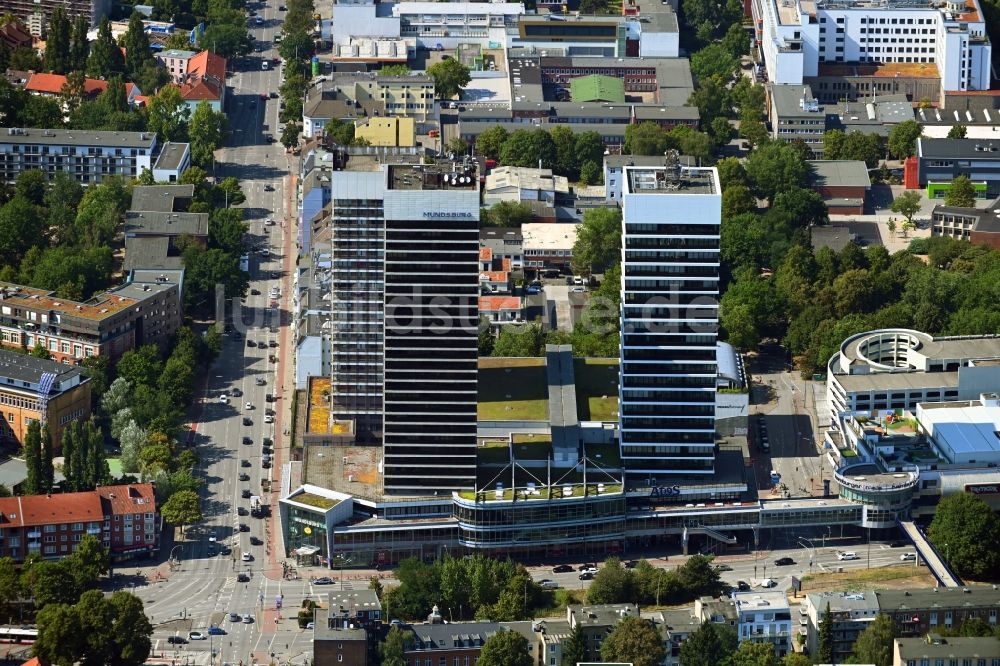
[265,65]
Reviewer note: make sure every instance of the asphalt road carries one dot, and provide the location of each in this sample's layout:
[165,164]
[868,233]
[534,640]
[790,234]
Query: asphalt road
[203,589]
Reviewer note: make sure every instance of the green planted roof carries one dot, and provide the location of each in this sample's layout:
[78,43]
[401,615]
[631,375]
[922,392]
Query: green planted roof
[597,88]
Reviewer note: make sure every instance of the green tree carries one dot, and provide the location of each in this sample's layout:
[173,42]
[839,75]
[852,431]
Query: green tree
[229,193]
[598,239]
[957,132]
[588,148]
[565,144]
[393,648]
[32,459]
[57,46]
[519,341]
[961,194]
[106,57]
[891,225]
[906,204]
[31,186]
[965,530]
[506,214]
[458,145]
[450,76]
[296,45]
[709,645]
[131,631]
[226,229]
[796,659]
[21,227]
[183,508]
[227,39]
[140,366]
[395,70]
[646,138]
[574,647]
[79,47]
[490,142]
[712,99]
[51,583]
[874,644]
[168,114]
[903,139]
[751,653]
[136,44]
[714,61]
[824,651]
[97,618]
[290,135]
[60,636]
[46,469]
[736,41]
[736,200]
[612,584]
[10,585]
[633,640]
[775,167]
[505,648]
[528,148]
[590,173]
[206,132]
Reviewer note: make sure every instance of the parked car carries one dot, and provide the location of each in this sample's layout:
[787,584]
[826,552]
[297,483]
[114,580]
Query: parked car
[242,578]
[247,421]
[196,636]
[247,441]
[244,527]
[260,381]
[225,550]
[742,586]
[847,555]
[547,584]
[176,640]
[235,617]
[242,511]
[723,567]
[324,580]
[586,566]
[247,619]
[769,582]
[244,476]
[255,541]
[244,463]
[251,343]
[562,568]
[586,575]
[784,561]
[216,630]
[268,418]
[246,557]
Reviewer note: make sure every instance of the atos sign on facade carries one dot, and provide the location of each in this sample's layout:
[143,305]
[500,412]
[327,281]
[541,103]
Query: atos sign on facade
[665,491]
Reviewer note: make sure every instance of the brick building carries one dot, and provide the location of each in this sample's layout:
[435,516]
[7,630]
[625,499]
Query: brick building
[35,389]
[918,612]
[347,631]
[458,644]
[843,184]
[109,324]
[53,525]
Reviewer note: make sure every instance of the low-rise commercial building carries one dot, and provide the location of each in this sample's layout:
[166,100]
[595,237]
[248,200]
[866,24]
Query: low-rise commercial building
[939,161]
[965,433]
[843,184]
[87,155]
[153,239]
[174,160]
[548,245]
[979,226]
[36,389]
[503,243]
[524,184]
[387,132]
[357,95]
[898,368]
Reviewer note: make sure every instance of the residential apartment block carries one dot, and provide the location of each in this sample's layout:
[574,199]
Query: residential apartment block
[347,630]
[357,95]
[765,617]
[36,389]
[797,38]
[129,316]
[850,612]
[123,518]
[36,13]
[87,155]
[937,649]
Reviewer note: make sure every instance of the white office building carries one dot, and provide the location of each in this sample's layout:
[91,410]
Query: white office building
[448,24]
[669,317]
[87,155]
[796,37]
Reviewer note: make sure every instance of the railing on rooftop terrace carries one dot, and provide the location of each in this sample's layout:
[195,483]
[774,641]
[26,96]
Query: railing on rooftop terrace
[904,480]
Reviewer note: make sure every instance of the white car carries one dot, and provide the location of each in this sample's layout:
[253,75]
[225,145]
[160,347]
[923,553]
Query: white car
[246,557]
[249,405]
[270,223]
[247,619]
[224,399]
[196,636]
[268,418]
[847,555]
[768,582]
[265,252]
[211,536]
[907,556]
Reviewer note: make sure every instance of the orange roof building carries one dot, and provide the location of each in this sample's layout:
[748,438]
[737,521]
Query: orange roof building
[54,84]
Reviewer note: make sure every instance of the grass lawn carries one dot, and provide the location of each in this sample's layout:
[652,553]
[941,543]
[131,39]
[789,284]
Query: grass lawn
[596,388]
[512,389]
[881,578]
[317,501]
[115,467]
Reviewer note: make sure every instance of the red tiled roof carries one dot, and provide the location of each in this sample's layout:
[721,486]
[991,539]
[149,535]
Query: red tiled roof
[199,89]
[12,35]
[485,254]
[32,510]
[53,84]
[495,276]
[207,64]
[133,498]
[497,303]
[505,265]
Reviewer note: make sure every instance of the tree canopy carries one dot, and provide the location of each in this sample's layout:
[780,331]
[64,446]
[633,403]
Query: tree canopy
[965,530]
